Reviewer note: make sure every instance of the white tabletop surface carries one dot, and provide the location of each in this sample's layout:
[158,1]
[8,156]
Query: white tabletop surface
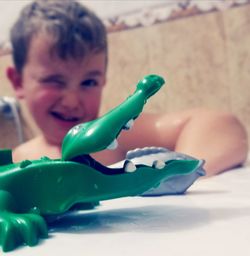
[213,218]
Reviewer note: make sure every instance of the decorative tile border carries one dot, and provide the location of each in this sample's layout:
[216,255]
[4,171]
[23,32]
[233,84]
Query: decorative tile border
[169,10]
[163,12]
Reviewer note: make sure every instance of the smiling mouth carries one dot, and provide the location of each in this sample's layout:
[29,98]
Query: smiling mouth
[63,117]
[128,165]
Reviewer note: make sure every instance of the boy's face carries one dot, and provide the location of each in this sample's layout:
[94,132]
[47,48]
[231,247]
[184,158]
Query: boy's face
[61,93]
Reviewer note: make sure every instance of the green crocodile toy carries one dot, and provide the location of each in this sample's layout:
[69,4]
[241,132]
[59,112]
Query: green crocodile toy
[30,191]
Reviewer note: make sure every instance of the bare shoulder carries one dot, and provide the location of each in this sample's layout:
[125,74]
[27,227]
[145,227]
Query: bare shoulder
[35,149]
[176,120]
[155,129]
[165,129]
[26,150]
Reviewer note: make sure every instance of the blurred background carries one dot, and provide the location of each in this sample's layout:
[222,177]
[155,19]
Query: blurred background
[201,48]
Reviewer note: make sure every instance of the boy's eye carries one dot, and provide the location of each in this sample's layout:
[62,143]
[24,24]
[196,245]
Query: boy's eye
[89,83]
[53,82]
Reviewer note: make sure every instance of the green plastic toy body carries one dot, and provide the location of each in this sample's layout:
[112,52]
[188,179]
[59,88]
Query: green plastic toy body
[32,190]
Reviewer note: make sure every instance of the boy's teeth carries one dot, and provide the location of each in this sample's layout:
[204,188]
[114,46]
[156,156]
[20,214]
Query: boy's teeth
[158,164]
[129,166]
[70,118]
[113,145]
[65,118]
[129,124]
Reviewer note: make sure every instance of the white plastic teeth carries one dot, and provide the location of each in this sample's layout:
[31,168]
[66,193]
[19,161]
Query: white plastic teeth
[129,124]
[113,145]
[129,166]
[158,164]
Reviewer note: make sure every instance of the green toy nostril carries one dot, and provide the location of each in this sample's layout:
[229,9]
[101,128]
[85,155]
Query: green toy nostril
[150,84]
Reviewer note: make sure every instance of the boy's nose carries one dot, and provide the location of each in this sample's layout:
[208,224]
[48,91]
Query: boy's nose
[71,99]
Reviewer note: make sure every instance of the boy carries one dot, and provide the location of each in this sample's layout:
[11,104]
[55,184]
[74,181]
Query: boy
[60,58]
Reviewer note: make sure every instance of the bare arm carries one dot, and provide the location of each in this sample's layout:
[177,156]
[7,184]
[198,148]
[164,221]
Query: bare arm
[217,137]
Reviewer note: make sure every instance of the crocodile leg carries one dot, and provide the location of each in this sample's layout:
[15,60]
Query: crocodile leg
[18,228]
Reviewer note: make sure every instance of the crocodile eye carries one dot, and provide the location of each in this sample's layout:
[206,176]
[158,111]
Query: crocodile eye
[45,158]
[25,163]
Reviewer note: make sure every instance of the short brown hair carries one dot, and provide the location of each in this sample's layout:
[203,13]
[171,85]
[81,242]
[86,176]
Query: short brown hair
[75,28]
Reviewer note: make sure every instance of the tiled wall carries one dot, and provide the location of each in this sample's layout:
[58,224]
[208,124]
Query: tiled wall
[205,60]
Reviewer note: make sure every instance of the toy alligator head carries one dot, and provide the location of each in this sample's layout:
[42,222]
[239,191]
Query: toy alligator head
[30,190]
[101,133]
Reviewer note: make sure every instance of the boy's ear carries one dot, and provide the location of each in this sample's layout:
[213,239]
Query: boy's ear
[105,80]
[16,80]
